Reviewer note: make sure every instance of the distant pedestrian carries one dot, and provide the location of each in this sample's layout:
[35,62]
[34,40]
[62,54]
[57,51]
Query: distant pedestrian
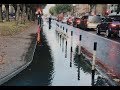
[39,19]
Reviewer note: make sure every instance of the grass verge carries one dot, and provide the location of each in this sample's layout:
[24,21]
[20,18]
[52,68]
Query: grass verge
[10,28]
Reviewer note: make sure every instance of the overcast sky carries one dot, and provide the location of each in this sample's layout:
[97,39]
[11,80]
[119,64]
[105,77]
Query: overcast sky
[46,9]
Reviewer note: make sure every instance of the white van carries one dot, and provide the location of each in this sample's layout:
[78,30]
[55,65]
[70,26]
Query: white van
[93,21]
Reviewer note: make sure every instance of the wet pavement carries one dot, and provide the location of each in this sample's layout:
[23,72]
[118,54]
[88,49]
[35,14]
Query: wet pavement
[55,65]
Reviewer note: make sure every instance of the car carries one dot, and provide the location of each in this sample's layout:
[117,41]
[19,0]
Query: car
[64,20]
[109,26]
[70,20]
[76,22]
[53,18]
[90,22]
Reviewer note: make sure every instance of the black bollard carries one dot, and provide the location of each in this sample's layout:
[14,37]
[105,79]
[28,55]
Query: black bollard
[66,30]
[49,22]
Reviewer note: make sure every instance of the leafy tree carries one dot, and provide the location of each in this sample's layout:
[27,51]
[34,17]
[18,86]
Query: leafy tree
[52,10]
[59,8]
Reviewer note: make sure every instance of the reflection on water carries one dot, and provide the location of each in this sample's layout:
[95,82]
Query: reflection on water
[71,56]
[93,77]
[84,65]
[60,40]
[66,49]
[62,44]
[78,72]
[58,37]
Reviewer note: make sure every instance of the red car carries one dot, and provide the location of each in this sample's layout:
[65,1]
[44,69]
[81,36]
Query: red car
[109,26]
[69,20]
[76,22]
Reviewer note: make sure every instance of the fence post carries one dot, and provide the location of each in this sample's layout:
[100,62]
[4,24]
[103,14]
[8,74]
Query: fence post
[93,62]
[71,51]
[94,55]
[79,50]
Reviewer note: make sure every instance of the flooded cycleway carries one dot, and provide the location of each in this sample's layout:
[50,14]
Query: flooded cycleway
[53,65]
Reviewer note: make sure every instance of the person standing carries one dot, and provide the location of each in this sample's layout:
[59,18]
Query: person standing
[39,19]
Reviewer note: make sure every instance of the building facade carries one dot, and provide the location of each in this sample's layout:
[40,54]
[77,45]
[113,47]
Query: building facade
[100,9]
[81,9]
[111,8]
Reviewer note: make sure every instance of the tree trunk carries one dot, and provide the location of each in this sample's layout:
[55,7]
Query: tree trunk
[15,8]
[7,12]
[1,20]
[33,14]
[17,14]
[95,10]
[24,14]
[30,15]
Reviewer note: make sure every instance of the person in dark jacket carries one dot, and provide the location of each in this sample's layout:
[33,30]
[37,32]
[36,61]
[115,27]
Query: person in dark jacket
[39,19]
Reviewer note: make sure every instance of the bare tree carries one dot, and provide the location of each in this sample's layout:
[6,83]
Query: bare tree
[1,20]
[7,12]
[24,14]
[92,6]
[17,13]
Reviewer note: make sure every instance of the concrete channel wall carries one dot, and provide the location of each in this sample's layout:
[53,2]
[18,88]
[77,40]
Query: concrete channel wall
[28,58]
[108,51]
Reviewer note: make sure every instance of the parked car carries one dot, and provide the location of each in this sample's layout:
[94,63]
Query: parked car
[76,22]
[60,17]
[109,26]
[70,20]
[53,17]
[64,20]
[90,22]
